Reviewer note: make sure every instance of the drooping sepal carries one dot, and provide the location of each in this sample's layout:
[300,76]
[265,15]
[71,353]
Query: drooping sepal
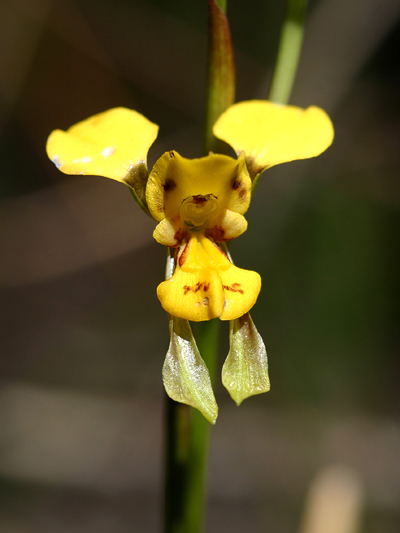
[245,371]
[113,144]
[185,375]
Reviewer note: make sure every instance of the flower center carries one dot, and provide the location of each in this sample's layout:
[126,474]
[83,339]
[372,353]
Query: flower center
[197,211]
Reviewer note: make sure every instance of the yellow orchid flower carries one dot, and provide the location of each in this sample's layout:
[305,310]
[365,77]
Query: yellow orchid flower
[199,205]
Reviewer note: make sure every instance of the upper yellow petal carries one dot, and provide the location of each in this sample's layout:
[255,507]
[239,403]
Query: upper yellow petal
[271,133]
[113,144]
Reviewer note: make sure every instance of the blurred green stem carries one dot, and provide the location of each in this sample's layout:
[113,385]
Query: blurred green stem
[289,50]
[288,56]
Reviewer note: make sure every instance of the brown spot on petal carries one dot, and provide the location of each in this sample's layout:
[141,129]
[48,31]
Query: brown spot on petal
[171,154]
[242,193]
[236,184]
[169,185]
[186,289]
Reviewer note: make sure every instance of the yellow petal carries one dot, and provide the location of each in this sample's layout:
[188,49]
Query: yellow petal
[207,285]
[241,290]
[196,296]
[231,226]
[175,178]
[113,144]
[167,235]
[271,133]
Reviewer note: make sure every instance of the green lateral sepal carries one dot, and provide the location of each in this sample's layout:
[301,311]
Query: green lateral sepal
[185,375]
[245,371]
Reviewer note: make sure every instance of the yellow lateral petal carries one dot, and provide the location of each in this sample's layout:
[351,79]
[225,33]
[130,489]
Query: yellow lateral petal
[113,144]
[232,225]
[167,235]
[175,178]
[271,133]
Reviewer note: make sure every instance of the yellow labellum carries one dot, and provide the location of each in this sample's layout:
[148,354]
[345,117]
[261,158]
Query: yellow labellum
[207,285]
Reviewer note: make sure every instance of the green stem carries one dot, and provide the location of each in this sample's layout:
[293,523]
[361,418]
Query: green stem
[288,52]
[188,437]
[188,432]
[220,89]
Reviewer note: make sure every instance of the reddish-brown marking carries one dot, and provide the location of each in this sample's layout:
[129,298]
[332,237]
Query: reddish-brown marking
[236,184]
[199,285]
[182,258]
[235,287]
[217,233]
[171,154]
[180,235]
[169,185]
[242,193]
[199,200]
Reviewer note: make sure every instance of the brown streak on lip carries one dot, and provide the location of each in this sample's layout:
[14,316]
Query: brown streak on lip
[198,286]
[171,154]
[182,258]
[235,287]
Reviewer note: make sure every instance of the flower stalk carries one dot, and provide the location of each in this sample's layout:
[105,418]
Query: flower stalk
[188,432]
[288,56]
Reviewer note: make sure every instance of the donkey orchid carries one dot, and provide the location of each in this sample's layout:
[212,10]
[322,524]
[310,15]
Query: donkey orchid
[198,203]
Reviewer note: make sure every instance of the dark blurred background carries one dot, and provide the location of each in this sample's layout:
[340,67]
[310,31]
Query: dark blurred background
[83,336]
